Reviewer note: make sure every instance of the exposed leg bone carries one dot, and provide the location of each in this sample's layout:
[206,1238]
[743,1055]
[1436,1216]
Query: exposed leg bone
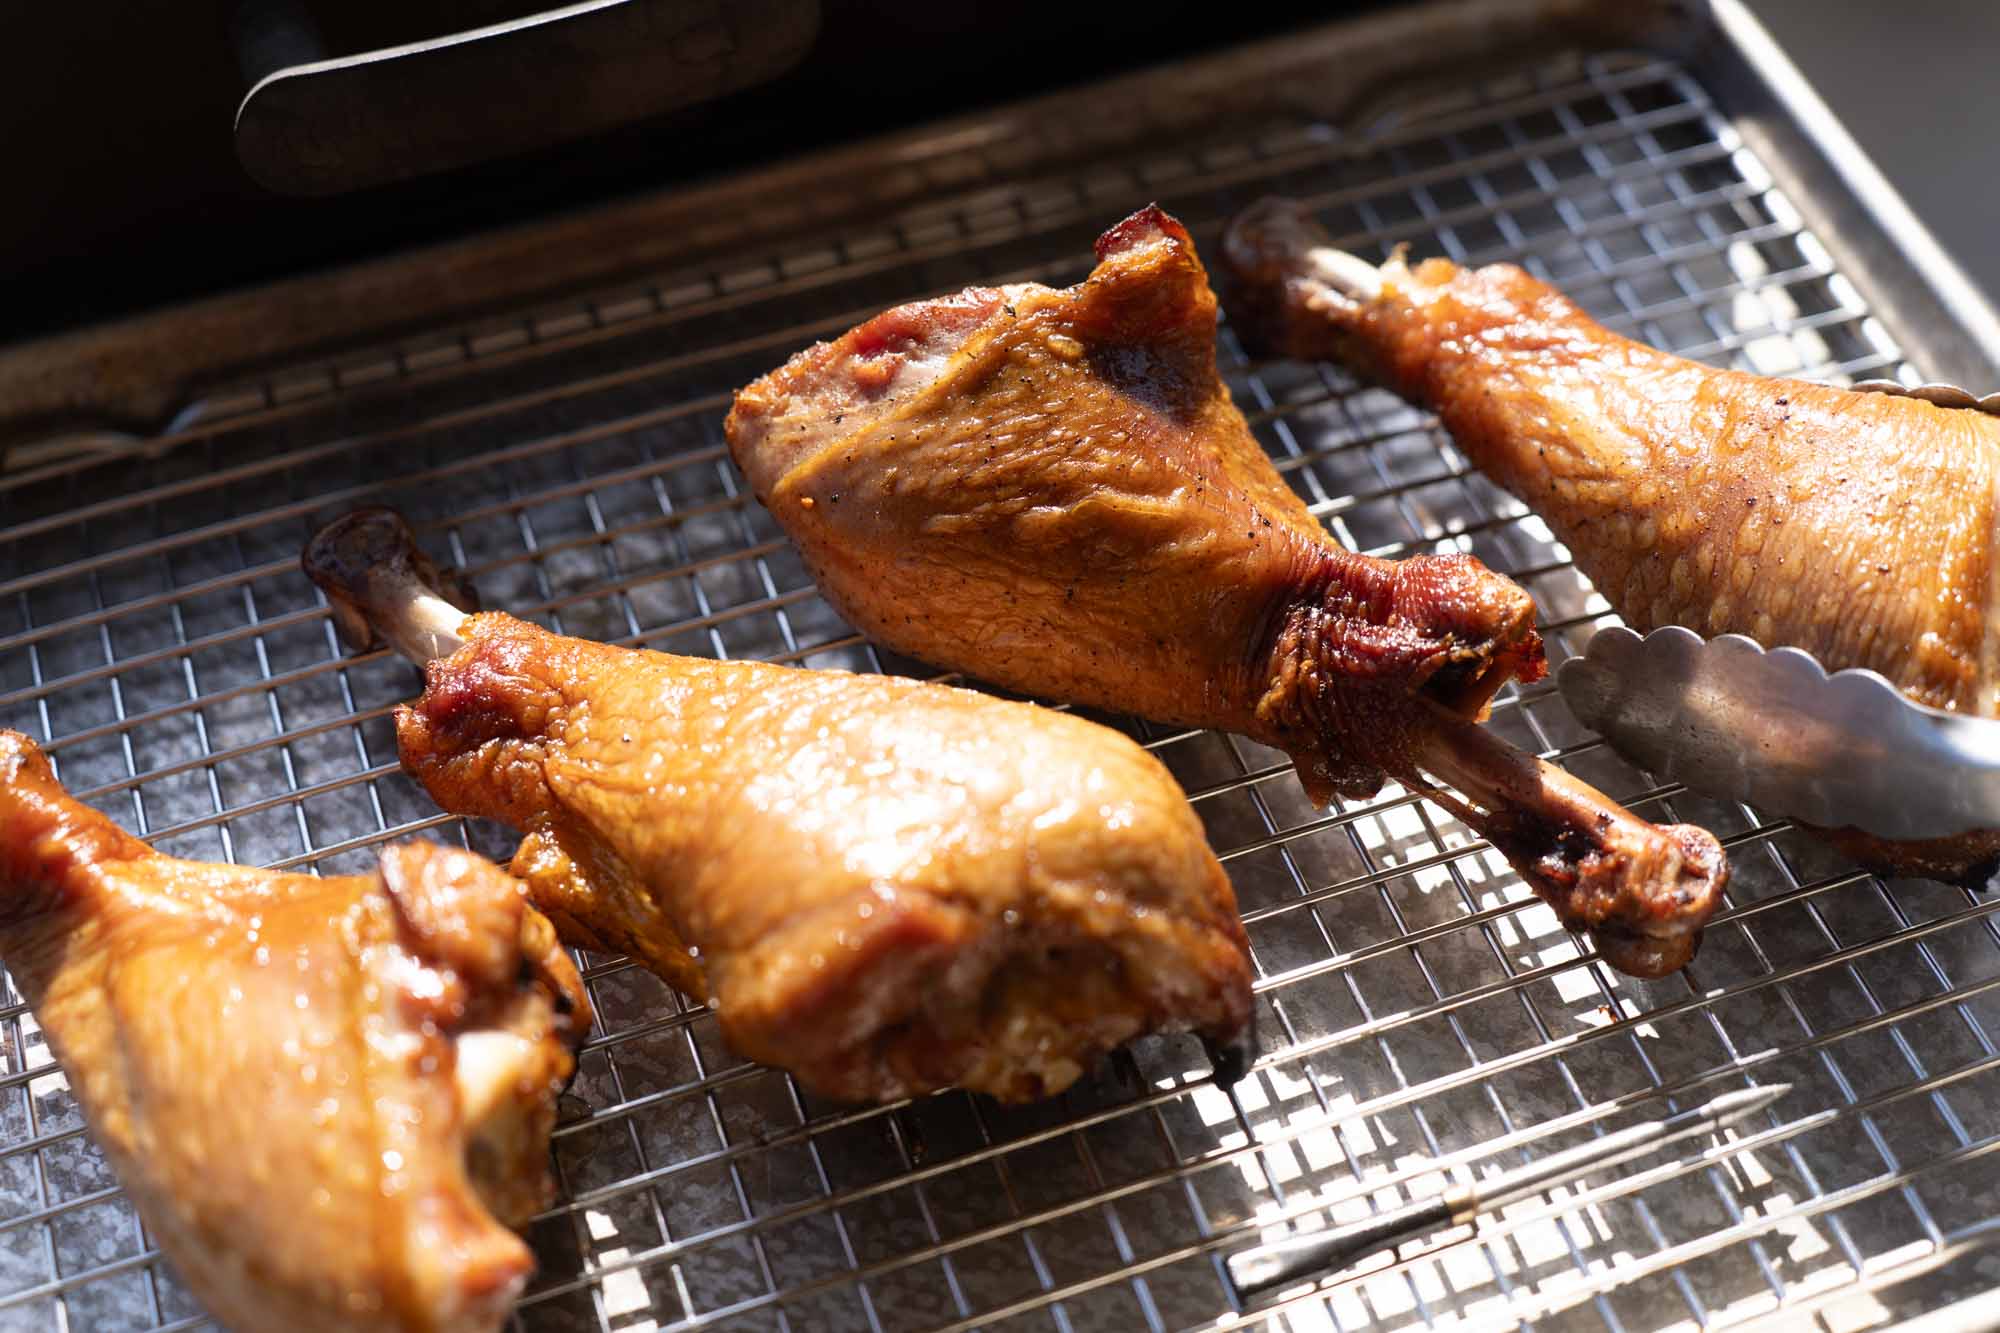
[382,586]
[1642,889]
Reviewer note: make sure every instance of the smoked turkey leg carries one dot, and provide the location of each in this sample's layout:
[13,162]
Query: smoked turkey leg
[1858,526]
[328,1098]
[1052,490]
[883,886]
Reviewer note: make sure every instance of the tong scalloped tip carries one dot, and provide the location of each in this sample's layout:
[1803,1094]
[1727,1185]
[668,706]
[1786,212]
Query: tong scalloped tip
[1772,728]
[1775,729]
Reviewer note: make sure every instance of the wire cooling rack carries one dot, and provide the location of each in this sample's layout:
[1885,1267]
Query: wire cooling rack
[1423,1018]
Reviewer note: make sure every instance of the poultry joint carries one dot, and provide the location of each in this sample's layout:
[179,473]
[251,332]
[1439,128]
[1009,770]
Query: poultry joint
[883,886]
[1857,526]
[1052,490]
[324,1096]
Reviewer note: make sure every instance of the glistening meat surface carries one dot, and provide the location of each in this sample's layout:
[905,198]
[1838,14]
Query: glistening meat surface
[1858,526]
[328,1098]
[1051,489]
[883,886]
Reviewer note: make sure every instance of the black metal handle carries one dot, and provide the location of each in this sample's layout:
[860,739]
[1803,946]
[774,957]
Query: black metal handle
[316,126]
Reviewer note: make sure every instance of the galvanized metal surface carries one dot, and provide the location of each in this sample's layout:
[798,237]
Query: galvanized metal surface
[1424,1019]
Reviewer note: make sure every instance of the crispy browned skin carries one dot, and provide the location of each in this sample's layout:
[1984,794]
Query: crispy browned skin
[893,886]
[1052,489]
[1858,526]
[997,480]
[318,1092]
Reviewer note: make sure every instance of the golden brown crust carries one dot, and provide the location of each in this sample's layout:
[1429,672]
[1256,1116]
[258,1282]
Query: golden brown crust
[1857,526]
[270,1061]
[1029,440]
[891,885]
[1053,490]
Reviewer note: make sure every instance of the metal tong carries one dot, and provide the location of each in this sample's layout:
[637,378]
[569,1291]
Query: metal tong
[1775,729]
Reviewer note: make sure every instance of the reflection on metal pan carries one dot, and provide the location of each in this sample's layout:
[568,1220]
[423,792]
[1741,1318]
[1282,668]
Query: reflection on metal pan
[1421,1014]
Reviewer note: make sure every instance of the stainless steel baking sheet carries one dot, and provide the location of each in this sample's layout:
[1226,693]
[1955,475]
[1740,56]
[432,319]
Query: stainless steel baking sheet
[1417,1004]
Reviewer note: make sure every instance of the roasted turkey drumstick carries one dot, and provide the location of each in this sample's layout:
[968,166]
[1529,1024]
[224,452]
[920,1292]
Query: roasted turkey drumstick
[883,886]
[1858,526]
[324,1096]
[1052,490]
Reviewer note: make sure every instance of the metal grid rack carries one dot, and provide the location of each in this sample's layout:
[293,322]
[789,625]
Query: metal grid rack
[1420,1012]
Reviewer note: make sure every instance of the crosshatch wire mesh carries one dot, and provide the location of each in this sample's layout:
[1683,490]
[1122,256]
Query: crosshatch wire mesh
[1422,1017]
